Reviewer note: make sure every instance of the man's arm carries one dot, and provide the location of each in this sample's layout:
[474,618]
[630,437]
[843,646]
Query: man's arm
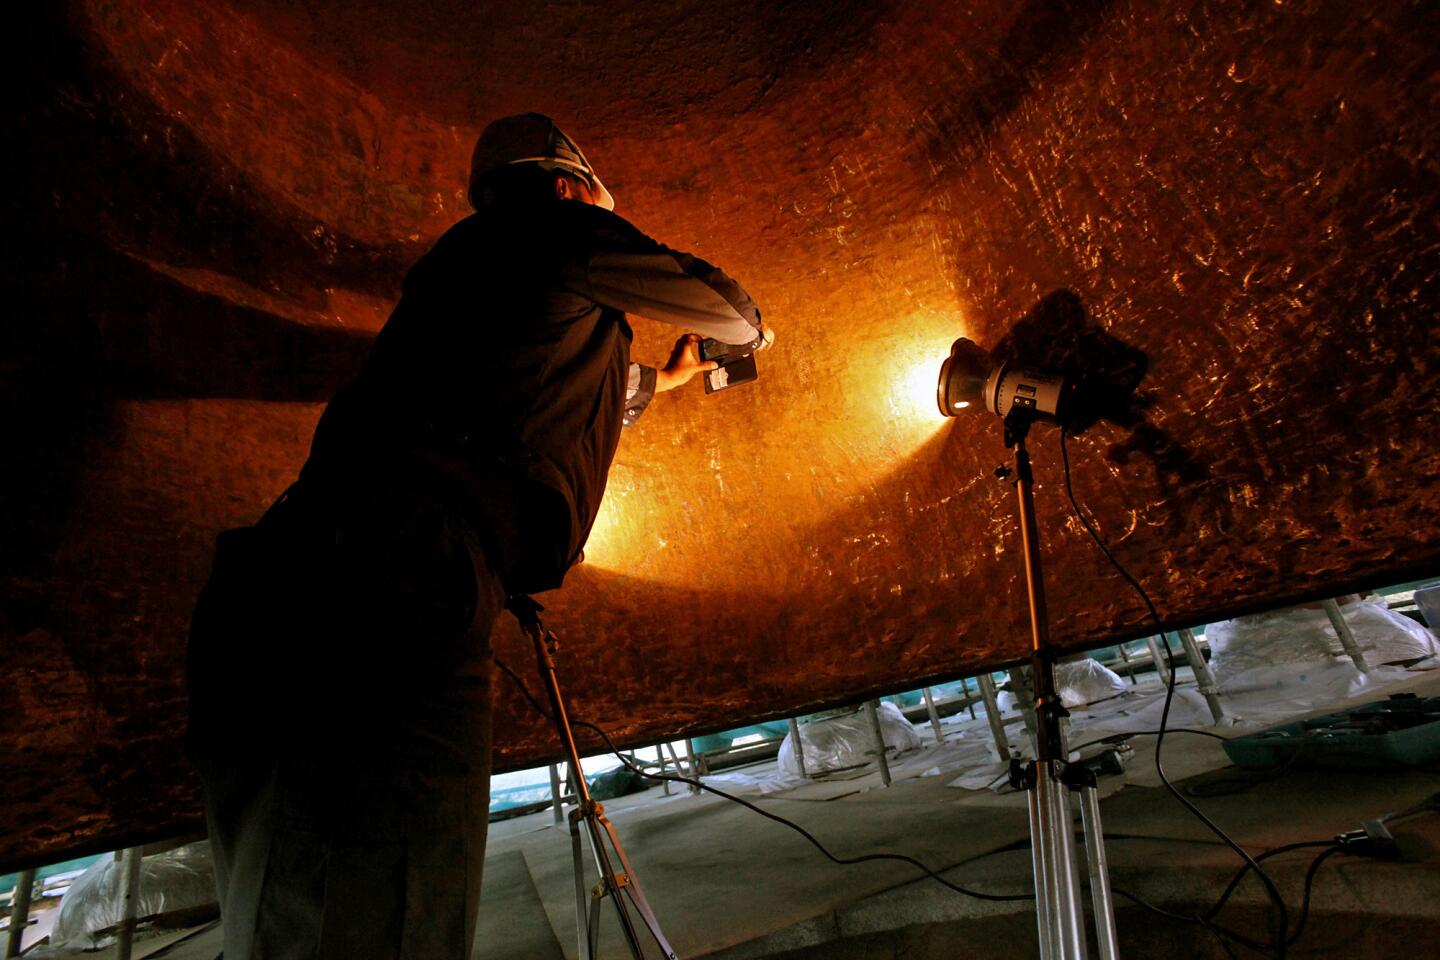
[676,288]
[622,268]
[645,382]
[625,269]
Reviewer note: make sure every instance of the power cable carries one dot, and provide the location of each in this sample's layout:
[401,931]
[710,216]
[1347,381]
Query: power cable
[842,861]
[1240,874]
[1223,935]
[1283,922]
[1309,886]
[1206,919]
[1221,939]
[1120,737]
[1211,926]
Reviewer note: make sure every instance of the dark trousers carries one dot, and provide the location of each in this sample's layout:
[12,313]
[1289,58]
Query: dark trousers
[340,676]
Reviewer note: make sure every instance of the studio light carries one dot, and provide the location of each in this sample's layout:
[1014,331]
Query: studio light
[1020,396]
[969,378]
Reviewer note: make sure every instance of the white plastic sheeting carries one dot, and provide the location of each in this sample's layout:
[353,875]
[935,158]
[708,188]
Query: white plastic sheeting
[1079,682]
[1270,695]
[1303,635]
[173,880]
[848,741]
[1086,681]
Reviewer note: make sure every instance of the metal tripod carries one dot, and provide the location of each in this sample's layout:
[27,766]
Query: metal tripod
[1051,778]
[603,840]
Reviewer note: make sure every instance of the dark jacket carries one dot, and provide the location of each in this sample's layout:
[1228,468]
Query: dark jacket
[503,375]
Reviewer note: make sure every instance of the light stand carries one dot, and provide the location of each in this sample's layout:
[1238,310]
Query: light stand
[1051,778]
[602,836]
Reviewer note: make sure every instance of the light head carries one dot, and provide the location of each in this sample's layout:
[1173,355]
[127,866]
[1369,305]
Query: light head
[969,378]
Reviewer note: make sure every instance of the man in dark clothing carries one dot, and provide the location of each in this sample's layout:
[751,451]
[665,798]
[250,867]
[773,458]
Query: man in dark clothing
[340,663]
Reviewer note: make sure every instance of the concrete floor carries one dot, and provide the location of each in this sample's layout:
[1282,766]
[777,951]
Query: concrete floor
[729,885]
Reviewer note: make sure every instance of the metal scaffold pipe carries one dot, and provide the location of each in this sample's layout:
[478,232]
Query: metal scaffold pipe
[1347,639]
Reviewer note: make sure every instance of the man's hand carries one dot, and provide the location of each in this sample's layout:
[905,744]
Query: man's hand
[683,364]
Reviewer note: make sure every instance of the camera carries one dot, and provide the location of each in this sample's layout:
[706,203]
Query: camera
[737,364]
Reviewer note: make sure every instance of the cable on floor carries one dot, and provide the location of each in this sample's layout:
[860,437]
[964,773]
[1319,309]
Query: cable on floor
[1282,923]
[843,861]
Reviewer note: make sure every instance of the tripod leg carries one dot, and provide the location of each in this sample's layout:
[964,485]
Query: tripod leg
[636,894]
[592,934]
[1102,903]
[1061,877]
[612,881]
[587,910]
[587,920]
[583,907]
[1040,869]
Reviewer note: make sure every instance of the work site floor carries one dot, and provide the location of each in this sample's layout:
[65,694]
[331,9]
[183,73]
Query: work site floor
[727,884]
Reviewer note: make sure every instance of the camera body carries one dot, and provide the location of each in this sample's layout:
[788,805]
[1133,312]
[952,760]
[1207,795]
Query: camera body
[737,365]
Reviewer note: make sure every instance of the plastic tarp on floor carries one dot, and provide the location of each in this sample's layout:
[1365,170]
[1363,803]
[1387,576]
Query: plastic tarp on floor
[174,880]
[1079,682]
[1300,635]
[836,743]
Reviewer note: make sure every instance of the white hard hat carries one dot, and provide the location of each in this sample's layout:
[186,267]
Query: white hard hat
[533,138]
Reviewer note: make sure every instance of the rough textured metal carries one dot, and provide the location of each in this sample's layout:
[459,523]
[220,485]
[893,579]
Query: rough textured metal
[213,205]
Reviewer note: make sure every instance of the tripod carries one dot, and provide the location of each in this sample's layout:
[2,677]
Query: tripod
[601,834]
[1051,778]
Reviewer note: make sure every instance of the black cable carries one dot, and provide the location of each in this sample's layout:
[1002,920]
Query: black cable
[1240,874]
[1430,804]
[1221,939]
[1230,786]
[1309,886]
[842,861]
[1222,934]
[1206,919]
[1120,737]
[1283,924]
[1214,928]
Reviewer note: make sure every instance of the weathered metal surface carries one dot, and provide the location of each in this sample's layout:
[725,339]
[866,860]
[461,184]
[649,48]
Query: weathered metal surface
[214,204]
